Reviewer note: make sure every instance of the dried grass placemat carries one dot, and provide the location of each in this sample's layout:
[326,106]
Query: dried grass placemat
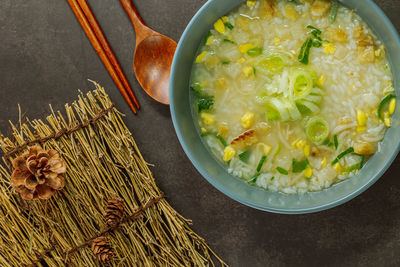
[103,163]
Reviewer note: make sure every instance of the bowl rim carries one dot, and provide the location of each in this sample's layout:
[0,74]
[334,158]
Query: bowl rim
[234,197]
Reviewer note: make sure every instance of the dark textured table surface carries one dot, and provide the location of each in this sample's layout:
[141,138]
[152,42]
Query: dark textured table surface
[45,57]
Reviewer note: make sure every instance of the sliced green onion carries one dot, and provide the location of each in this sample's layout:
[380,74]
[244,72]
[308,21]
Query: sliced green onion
[334,11]
[207,36]
[253,180]
[314,31]
[294,2]
[272,64]
[317,130]
[335,141]
[229,25]
[317,44]
[225,62]
[229,41]
[301,83]
[282,171]
[196,88]
[256,51]
[244,156]
[357,166]
[327,142]
[341,155]
[382,105]
[299,166]
[261,163]
[305,51]
[254,71]
[205,103]
[311,107]
[272,178]
[220,138]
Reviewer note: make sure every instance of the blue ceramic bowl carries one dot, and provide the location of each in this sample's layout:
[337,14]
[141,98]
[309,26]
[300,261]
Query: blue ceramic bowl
[239,190]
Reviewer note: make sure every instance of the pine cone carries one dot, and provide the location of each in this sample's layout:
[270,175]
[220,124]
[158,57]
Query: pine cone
[114,211]
[102,249]
[38,173]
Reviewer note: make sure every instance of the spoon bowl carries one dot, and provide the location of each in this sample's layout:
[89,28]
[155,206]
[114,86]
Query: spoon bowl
[152,65]
[153,56]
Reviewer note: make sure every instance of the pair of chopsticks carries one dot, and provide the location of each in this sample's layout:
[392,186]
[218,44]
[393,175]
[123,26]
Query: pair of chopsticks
[96,36]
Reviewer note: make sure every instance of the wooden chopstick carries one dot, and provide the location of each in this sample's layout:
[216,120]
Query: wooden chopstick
[100,51]
[107,48]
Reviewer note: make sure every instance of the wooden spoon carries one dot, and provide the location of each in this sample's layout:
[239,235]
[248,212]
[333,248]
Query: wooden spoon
[153,56]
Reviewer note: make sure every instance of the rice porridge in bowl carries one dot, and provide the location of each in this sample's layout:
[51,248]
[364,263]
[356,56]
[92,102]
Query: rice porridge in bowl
[292,95]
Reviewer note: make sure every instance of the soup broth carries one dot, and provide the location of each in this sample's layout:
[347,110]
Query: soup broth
[292,96]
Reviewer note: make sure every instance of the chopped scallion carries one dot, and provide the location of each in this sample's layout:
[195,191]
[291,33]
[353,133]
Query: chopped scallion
[225,62]
[261,163]
[272,178]
[305,51]
[205,103]
[385,101]
[282,171]
[341,155]
[229,41]
[207,36]
[229,25]
[253,180]
[244,156]
[335,141]
[334,11]
[256,51]
[299,166]
[220,138]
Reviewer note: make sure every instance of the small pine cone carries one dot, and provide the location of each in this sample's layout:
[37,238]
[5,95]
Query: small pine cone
[102,249]
[38,173]
[114,212]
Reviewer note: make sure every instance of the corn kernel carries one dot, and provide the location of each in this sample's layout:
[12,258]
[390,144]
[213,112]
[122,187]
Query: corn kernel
[308,172]
[392,106]
[210,40]
[290,11]
[388,122]
[241,60]
[225,19]
[221,82]
[207,118]
[338,167]
[200,57]
[266,149]
[329,48]
[361,129]
[247,71]
[361,118]
[307,150]
[324,161]
[219,26]
[245,47]
[295,143]
[251,3]
[321,80]
[301,144]
[229,153]
[203,130]
[277,41]
[247,120]
[223,130]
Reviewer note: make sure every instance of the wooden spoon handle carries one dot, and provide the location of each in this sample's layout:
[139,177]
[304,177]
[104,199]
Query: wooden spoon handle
[142,31]
[132,12]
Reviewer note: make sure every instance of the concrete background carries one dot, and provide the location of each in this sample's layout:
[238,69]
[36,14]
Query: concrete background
[45,57]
